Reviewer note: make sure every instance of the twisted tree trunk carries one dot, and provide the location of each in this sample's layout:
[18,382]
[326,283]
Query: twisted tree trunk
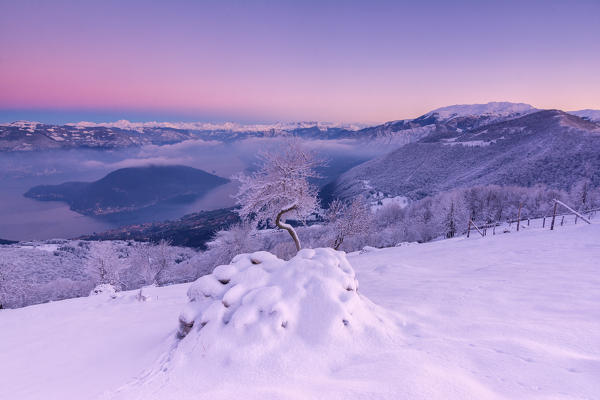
[288,227]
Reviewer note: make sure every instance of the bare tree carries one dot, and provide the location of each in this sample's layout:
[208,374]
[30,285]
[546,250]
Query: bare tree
[348,219]
[280,189]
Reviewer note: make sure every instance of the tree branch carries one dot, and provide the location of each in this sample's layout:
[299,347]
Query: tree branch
[288,227]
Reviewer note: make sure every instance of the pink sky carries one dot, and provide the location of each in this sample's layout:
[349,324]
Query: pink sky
[360,62]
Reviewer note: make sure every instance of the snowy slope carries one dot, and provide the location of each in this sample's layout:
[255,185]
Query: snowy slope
[507,316]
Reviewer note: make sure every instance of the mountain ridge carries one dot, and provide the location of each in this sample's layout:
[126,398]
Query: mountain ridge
[547,147]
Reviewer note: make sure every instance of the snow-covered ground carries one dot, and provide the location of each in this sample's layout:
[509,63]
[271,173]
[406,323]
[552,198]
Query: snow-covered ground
[510,316]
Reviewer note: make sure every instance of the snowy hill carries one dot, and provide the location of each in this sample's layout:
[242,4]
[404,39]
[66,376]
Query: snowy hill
[549,147]
[501,317]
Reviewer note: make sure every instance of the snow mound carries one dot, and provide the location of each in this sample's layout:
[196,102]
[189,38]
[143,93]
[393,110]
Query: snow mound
[261,300]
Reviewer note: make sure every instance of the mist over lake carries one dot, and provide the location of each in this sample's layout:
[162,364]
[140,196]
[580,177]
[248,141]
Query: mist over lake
[23,218]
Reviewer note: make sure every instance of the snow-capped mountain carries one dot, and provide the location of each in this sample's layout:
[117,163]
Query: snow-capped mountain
[25,135]
[549,147]
[493,110]
[451,118]
[28,136]
[590,115]
[217,127]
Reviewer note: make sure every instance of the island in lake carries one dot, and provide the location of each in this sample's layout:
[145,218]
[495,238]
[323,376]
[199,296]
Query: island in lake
[131,189]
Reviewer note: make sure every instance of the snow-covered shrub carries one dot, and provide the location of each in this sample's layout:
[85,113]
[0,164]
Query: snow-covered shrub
[104,289]
[261,301]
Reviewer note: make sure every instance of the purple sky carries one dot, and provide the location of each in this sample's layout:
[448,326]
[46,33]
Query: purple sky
[368,61]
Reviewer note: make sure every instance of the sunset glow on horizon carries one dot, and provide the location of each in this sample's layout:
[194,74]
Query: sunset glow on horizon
[282,61]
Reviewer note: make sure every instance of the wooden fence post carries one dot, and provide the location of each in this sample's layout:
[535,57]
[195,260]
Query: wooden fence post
[519,217]
[562,220]
[469,229]
[553,216]
[544,222]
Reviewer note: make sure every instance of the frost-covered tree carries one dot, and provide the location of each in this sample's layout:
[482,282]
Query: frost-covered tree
[5,269]
[104,264]
[280,189]
[226,244]
[348,219]
[152,261]
[451,222]
[162,260]
[580,194]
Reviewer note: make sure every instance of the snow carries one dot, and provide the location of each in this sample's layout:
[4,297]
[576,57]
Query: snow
[494,109]
[471,143]
[225,126]
[50,247]
[592,115]
[28,126]
[104,289]
[379,200]
[500,317]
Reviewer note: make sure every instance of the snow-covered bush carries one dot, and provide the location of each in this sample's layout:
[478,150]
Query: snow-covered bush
[262,301]
[104,289]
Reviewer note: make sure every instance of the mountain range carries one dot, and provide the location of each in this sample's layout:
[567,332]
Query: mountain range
[31,136]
